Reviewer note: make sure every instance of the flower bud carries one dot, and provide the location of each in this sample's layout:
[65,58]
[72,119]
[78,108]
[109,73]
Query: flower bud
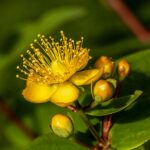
[62,125]
[107,64]
[103,89]
[123,69]
[65,94]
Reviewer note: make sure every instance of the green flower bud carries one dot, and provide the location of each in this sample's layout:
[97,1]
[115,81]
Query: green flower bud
[123,69]
[62,125]
[104,90]
[107,64]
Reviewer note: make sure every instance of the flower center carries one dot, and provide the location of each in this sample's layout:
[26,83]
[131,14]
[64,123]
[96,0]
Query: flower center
[53,62]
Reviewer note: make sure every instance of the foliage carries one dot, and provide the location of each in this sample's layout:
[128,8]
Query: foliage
[105,34]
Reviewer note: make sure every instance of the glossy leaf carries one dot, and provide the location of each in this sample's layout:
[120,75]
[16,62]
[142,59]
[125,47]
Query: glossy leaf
[132,129]
[132,126]
[53,142]
[114,105]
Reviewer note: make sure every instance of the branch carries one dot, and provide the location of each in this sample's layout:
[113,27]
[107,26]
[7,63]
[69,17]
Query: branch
[130,20]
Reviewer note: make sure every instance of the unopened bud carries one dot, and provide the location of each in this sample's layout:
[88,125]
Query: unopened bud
[104,90]
[62,125]
[123,69]
[107,64]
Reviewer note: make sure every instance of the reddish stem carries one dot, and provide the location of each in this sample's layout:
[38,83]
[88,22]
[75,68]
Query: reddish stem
[106,127]
[10,115]
[130,20]
[119,85]
[72,108]
[107,122]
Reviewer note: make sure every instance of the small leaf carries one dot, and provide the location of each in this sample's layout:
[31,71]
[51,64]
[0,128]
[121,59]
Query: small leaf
[113,82]
[52,142]
[97,98]
[97,101]
[81,89]
[114,105]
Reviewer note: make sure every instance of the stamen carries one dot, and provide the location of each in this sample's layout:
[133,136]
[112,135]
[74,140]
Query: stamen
[52,62]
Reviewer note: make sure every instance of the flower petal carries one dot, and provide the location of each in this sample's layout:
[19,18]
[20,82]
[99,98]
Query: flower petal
[65,94]
[38,92]
[86,77]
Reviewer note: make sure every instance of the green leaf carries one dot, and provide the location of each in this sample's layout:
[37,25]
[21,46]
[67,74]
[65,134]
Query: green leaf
[146,145]
[114,105]
[140,74]
[113,82]
[139,148]
[97,98]
[43,113]
[132,129]
[52,142]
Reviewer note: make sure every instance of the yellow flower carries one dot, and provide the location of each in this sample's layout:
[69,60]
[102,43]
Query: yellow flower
[51,70]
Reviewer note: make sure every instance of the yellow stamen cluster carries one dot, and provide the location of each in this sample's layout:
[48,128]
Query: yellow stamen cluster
[53,62]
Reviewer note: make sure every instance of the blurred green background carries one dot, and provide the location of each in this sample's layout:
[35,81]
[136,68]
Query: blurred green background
[21,20]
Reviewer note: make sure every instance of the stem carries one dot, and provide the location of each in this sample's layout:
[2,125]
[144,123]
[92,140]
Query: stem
[108,119]
[119,85]
[130,20]
[72,108]
[79,110]
[89,125]
[106,127]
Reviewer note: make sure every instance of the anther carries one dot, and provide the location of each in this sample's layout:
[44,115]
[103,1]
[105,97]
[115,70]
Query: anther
[21,55]
[35,40]
[39,35]
[17,67]
[17,76]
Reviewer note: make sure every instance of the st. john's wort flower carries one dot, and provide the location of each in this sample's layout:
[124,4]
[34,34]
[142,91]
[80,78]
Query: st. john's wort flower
[52,70]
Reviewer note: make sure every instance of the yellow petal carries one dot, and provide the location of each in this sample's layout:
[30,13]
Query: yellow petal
[65,94]
[38,92]
[86,77]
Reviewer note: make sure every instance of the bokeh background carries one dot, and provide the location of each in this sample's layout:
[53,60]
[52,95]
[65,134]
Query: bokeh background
[115,28]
